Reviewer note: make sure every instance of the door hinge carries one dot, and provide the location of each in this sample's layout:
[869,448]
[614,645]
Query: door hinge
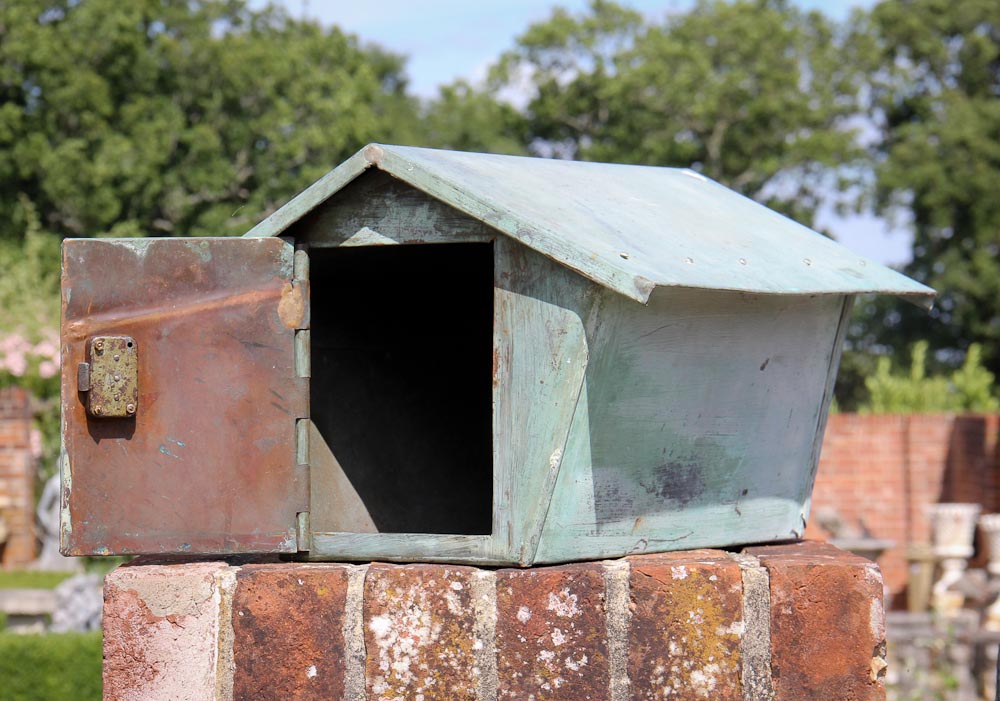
[303,532]
[300,278]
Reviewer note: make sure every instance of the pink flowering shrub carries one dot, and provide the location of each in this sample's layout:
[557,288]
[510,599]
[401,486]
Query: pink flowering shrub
[29,322]
[33,365]
[31,361]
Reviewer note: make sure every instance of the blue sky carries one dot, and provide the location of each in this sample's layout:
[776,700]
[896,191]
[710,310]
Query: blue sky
[447,39]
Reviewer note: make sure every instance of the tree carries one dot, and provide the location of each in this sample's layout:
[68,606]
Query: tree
[757,95]
[161,117]
[177,117]
[936,101]
[466,119]
[967,389]
[29,331]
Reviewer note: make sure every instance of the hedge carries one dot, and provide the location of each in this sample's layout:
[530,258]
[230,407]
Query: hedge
[50,666]
[32,579]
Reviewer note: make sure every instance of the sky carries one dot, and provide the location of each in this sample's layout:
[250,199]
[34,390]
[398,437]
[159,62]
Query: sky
[445,40]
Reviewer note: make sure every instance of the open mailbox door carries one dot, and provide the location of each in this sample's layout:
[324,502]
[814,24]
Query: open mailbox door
[184,384]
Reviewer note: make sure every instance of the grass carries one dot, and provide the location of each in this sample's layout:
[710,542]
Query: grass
[51,666]
[29,579]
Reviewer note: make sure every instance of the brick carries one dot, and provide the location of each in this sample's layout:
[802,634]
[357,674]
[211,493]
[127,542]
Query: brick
[446,632]
[162,631]
[17,476]
[13,403]
[420,633]
[880,472]
[827,623]
[551,635]
[288,640]
[686,627]
[15,434]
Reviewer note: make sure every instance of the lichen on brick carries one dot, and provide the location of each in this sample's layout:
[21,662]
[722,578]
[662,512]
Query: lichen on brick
[420,633]
[551,635]
[686,628]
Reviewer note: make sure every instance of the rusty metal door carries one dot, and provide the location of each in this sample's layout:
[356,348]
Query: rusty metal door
[181,396]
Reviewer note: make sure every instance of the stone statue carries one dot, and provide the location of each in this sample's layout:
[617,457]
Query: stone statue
[79,602]
[47,516]
[4,528]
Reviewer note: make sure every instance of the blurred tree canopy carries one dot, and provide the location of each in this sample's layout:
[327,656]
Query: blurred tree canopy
[177,117]
[934,69]
[896,111]
[755,94]
[161,118]
[200,117]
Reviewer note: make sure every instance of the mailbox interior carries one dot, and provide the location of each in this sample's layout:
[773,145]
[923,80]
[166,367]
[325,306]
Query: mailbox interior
[401,391]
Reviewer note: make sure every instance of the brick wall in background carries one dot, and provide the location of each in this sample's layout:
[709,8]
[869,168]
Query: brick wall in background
[880,472]
[17,478]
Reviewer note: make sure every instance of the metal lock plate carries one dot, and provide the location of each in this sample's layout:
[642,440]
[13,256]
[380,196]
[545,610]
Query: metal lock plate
[110,377]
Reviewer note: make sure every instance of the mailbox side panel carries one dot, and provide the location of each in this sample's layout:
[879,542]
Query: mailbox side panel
[540,359]
[697,425]
[207,464]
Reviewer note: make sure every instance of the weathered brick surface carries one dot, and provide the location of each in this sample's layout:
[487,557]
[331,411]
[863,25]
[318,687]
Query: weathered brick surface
[672,629]
[686,627]
[420,633]
[827,624]
[551,636]
[288,640]
[162,632]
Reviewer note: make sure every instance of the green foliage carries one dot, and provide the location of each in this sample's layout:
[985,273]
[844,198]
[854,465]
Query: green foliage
[51,666]
[31,579]
[465,119]
[757,95]
[29,285]
[29,323]
[935,87]
[160,118]
[968,389]
[177,118]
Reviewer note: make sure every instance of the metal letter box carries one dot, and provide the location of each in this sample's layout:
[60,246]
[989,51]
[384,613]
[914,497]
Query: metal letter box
[443,356]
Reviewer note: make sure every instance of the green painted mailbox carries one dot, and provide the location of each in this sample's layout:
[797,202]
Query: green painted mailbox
[441,356]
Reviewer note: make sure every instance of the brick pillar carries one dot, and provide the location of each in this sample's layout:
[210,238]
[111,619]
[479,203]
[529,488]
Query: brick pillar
[17,478]
[787,623]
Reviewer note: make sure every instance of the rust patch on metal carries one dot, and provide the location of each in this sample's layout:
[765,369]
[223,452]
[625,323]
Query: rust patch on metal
[166,312]
[207,463]
[292,307]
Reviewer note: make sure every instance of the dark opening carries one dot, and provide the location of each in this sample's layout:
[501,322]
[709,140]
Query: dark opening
[401,389]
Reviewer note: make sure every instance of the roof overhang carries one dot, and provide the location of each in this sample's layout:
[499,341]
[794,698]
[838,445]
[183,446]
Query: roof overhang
[628,228]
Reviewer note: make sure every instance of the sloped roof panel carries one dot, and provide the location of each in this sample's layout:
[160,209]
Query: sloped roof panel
[630,228]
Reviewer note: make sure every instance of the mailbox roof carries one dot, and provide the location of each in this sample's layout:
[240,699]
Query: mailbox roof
[630,228]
